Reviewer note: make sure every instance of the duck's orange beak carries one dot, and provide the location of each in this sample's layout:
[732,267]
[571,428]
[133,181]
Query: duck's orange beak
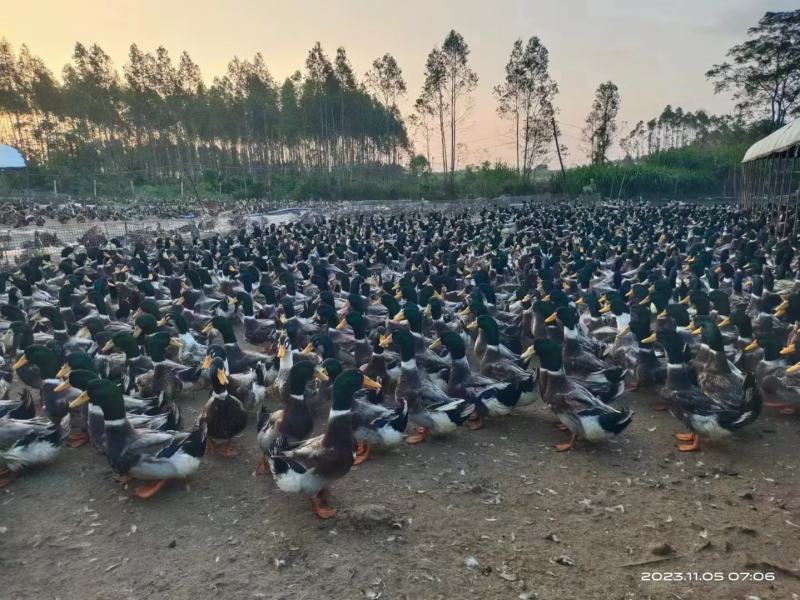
[370,384]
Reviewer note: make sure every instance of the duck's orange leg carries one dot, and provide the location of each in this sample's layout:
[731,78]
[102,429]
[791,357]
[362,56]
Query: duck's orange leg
[77,439]
[362,453]
[684,437]
[474,422]
[567,445]
[420,436]
[692,446]
[229,451]
[262,468]
[149,490]
[319,502]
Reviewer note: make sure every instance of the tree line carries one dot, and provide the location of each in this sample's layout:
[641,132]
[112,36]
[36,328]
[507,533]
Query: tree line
[157,120]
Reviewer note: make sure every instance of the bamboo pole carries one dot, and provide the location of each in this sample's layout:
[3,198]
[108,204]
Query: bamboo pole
[784,162]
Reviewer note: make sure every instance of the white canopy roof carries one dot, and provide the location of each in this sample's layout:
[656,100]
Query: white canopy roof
[10,158]
[777,141]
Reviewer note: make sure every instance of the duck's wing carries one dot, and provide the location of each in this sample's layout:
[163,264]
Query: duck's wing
[14,430]
[153,442]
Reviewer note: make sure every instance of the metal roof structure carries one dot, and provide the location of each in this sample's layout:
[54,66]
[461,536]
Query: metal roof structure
[778,141]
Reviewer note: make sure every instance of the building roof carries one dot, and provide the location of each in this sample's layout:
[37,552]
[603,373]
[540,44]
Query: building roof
[777,141]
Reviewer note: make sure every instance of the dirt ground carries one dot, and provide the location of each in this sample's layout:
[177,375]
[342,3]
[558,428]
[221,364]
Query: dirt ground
[489,514]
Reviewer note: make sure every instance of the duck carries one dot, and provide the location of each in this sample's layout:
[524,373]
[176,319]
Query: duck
[718,378]
[155,456]
[777,380]
[167,376]
[580,411]
[225,416]
[697,411]
[430,409]
[239,360]
[603,380]
[491,397]
[256,331]
[27,443]
[152,413]
[294,421]
[18,408]
[312,466]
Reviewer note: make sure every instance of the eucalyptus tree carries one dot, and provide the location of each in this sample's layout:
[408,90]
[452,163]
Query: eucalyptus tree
[763,73]
[526,99]
[601,122]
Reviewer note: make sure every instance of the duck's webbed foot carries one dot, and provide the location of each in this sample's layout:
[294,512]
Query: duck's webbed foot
[149,490]
[77,439]
[420,436]
[362,453]
[691,446]
[474,422]
[567,445]
[319,502]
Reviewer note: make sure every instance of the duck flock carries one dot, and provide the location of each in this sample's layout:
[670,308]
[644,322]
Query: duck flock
[382,328]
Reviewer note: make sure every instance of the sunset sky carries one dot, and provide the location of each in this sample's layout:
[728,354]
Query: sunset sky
[656,51]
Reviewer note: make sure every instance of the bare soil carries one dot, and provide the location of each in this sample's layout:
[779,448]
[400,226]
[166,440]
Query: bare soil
[489,514]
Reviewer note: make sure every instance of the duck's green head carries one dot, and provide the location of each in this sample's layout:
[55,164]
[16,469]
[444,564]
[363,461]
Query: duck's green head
[549,353]
[214,351]
[679,314]
[490,329]
[105,394]
[180,322]
[567,316]
[404,340]
[543,308]
[391,304]
[413,315]
[287,306]
[245,301]
[699,300]
[125,342]
[301,373]
[150,307]
[157,344]
[327,315]
[74,361]
[346,385]
[79,379]
[358,323]
[224,326]
[145,324]
[711,335]
[673,345]
[768,342]
[323,345]
[332,368]
[41,356]
[435,306]
[218,376]
[591,302]
[453,342]
[640,327]
[52,314]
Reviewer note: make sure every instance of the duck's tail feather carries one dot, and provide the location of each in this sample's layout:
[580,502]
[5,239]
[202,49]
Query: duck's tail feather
[617,420]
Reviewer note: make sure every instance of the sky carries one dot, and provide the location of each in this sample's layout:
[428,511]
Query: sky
[656,51]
